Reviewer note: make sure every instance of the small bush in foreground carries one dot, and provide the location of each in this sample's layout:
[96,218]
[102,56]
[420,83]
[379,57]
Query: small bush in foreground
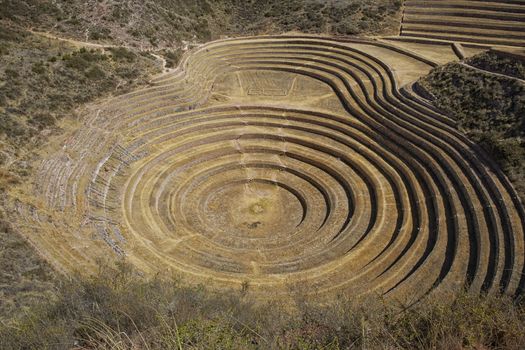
[118,309]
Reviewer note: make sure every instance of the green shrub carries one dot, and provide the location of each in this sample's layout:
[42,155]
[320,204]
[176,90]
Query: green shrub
[76,62]
[172,57]
[8,34]
[10,126]
[4,49]
[11,73]
[509,152]
[100,33]
[42,120]
[82,59]
[95,73]
[123,54]
[38,68]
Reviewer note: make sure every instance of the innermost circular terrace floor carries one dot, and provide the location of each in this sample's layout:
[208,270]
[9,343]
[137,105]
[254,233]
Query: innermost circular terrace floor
[253,209]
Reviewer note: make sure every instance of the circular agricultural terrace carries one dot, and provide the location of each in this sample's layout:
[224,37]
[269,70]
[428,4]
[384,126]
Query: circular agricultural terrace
[282,161]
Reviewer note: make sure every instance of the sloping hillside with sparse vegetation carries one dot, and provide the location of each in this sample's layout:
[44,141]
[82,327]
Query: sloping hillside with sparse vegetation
[488,108]
[166,24]
[43,82]
[118,309]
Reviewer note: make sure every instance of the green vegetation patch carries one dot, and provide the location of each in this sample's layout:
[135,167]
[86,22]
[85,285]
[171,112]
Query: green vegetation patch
[172,57]
[500,62]
[335,17]
[43,80]
[489,109]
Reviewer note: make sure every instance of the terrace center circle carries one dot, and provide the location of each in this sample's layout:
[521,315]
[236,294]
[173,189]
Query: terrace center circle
[253,209]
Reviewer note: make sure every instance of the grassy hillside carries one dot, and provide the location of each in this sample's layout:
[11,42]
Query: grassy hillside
[24,277]
[166,23]
[42,83]
[489,109]
[117,309]
[313,16]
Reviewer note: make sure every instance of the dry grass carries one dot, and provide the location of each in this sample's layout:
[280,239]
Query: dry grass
[118,309]
[42,82]
[24,276]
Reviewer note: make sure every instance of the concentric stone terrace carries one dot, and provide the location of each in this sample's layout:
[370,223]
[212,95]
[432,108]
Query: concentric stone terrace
[492,22]
[280,161]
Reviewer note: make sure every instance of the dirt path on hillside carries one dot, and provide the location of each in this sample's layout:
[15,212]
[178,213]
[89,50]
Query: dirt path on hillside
[75,42]
[80,43]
